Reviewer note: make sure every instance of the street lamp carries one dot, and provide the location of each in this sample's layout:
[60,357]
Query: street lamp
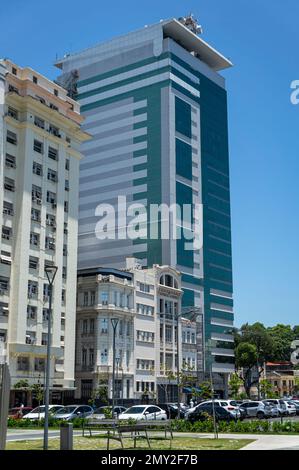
[176,316]
[50,273]
[114,322]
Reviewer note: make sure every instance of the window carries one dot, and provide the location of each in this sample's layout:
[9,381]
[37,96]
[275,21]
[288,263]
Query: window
[33,262]
[63,296]
[55,108]
[84,326]
[3,310]
[51,197]
[9,184]
[50,243]
[10,161]
[67,185]
[6,233]
[91,326]
[144,287]
[39,364]
[53,153]
[37,169]
[91,357]
[104,325]
[46,313]
[4,284]
[13,89]
[64,272]
[55,92]
[5,257]
[34,239]
[92,297]
[12,112]
[84,356]
[31,312]
[85,299]
[44,339]
[128,357]
[104,356]
[36,194]
[104,298]
[67,164]
[23,363]
[11,138]
[32,289]
[52,175]
[39,122]
[53,129]
[64,251]
[38,146]
[66,206]
[168,333]
[14,71]
[50,220]
[8,208]
[34,79]
[121,328]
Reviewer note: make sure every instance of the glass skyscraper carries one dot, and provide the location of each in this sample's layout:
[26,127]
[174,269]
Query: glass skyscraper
[156,106]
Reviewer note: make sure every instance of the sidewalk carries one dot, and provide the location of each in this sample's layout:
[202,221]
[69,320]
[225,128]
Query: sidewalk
[261,441]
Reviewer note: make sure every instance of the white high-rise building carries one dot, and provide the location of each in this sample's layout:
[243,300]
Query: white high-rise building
[40,137]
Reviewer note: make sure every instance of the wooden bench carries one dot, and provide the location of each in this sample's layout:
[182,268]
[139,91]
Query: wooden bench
[119,430]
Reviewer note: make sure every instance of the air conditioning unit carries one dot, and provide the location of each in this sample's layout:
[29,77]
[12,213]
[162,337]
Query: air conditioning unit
[38,201]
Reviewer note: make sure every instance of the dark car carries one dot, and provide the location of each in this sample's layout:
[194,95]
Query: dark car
[200,414]
[171,410]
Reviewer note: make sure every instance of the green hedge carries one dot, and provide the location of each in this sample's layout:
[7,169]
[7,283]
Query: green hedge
[53,423]
[258,426]
[254,427]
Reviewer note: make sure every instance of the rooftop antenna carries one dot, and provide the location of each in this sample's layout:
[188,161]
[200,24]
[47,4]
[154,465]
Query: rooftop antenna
[191,23]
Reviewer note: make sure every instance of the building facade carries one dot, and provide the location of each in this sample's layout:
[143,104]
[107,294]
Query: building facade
[39,173]
[145,302]
[156,106]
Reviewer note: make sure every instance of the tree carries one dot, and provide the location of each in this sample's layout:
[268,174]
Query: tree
[246,357]
[296,332]
[282,336]
[21,384]
[267,389]
[234,384]
[205,392]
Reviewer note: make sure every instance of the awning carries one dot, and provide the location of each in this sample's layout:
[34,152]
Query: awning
[191,389]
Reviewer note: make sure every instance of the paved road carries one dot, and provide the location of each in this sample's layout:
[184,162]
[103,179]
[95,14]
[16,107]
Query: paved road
[29,434]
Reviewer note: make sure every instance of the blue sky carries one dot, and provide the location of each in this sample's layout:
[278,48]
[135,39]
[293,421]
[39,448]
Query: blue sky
[261,38]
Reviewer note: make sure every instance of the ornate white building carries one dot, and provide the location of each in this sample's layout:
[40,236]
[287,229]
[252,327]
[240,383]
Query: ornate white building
[147,303]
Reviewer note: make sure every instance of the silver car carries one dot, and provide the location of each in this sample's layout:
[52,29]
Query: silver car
[71,412]
[257,409]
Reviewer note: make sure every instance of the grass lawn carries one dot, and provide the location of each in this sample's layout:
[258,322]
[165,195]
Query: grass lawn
[98,443]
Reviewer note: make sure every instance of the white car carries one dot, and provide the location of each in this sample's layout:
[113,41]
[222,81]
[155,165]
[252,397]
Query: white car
[290,408]
[226,404]
[39,412]
[143,412]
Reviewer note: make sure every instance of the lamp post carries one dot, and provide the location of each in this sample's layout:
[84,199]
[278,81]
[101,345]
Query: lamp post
[194,311]
[51,273]
[114,322]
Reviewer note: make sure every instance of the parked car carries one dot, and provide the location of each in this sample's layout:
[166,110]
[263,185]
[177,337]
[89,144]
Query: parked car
[39,412]
[19,411]
[99,413]
[258,409]
[71,412]
[291,408]
[143,412]
[296,403]
[281,405]
[234,410]
[172,410]
[200,413]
